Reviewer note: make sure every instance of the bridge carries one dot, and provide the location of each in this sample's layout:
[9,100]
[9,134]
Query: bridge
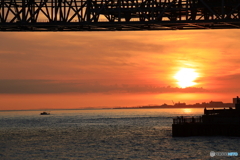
[118,15]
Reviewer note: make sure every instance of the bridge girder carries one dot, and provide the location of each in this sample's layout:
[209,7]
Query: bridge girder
[110,15]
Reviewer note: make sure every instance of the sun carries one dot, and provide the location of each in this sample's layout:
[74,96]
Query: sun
[186,77]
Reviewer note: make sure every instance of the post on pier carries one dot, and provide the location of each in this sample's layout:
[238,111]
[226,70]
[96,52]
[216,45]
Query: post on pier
[237,105]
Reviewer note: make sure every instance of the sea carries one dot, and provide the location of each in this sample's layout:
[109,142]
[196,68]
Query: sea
[106,134]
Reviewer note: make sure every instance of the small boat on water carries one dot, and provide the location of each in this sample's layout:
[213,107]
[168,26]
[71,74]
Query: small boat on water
[44,113]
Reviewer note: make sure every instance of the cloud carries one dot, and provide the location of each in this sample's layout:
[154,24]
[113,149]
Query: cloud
[54,86]
[139,58]
[224,83]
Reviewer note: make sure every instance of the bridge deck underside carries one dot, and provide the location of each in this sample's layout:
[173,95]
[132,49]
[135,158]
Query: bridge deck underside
[121,15]
[108,26]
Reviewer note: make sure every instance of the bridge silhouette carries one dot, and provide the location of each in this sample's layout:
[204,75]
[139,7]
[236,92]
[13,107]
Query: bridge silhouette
[112,15]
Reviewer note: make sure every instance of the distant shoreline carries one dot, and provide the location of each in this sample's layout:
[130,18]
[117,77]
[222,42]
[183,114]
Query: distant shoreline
[164,106]
[160,107]
[211,104]
[111,108]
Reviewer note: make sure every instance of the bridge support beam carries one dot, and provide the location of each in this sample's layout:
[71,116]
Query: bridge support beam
[104,15]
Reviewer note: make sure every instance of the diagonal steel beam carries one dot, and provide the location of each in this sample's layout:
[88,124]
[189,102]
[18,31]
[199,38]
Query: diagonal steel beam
[210,9]
[165,9]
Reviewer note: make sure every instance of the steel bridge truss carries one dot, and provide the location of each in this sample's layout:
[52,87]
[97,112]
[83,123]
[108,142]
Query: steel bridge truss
[105,15]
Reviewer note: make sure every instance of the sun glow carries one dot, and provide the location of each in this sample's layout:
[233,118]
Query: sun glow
[186,77]
[187,110]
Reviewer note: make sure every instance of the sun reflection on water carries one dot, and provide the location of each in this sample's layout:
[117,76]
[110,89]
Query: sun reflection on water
[187,110]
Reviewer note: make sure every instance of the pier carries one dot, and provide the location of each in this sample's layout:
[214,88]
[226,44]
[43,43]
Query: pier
[220,122]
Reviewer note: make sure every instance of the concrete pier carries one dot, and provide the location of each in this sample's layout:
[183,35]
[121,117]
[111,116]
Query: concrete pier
[201,129]
[220,122]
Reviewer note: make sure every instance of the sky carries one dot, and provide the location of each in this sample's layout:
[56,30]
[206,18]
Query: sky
[73,70]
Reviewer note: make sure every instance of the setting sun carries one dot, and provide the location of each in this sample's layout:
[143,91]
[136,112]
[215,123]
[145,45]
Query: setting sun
[186,77]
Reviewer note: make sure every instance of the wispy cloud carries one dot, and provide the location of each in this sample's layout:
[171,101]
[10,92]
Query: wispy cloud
[56,86]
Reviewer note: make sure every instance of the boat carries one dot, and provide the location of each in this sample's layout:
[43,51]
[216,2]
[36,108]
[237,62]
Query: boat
[45,113]
[214,122]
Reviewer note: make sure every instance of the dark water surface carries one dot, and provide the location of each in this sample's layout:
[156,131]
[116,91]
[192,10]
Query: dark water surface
[104,134]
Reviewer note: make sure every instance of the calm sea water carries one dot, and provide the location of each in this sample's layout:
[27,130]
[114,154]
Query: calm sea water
[104,134]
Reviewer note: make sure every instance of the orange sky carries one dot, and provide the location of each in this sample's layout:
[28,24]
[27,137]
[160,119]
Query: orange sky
[106,69]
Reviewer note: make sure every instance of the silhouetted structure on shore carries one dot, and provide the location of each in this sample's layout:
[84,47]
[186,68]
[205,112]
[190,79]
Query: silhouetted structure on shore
[211,104]
[215,122]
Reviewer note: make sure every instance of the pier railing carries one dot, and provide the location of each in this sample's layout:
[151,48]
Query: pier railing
[219,111]
[184,120]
